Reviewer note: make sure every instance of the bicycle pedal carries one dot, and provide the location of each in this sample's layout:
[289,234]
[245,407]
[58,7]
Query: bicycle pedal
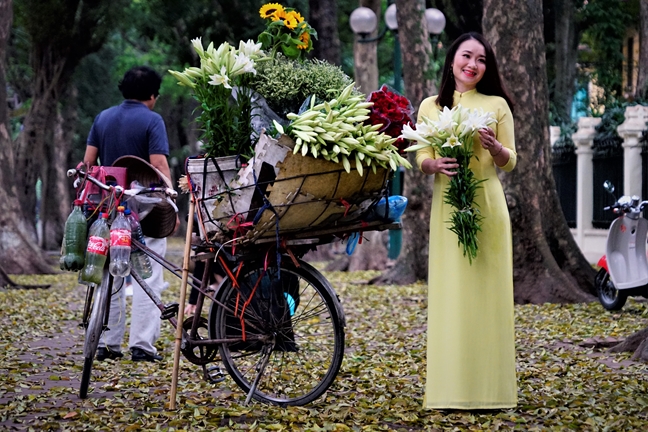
[170,311]
[213,374]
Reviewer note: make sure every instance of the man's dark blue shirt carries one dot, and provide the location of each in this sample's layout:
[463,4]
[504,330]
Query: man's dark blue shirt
[130,128]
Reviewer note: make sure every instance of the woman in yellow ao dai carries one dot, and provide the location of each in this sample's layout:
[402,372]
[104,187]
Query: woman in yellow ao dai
[471,341]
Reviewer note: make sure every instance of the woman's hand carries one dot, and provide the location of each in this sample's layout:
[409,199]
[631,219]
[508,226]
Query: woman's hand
[498,152]
[489,142]
[442,165]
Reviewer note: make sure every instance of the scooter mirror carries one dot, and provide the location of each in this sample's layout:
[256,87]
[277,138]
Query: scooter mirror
[608,186]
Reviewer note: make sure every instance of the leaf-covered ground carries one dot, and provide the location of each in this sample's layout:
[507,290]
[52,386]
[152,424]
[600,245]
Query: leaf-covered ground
[564,383]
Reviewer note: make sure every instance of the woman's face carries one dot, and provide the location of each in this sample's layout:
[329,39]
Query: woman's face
[468,65]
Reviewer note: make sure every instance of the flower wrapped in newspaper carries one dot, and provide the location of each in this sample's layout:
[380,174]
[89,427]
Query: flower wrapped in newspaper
[221,87]
[453,136]
[335,130]
[392,111]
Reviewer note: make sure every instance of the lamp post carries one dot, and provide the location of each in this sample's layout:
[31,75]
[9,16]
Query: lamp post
[363,21]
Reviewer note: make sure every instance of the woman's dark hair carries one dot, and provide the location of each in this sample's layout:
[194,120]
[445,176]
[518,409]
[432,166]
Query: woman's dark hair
[491,82]
[140,83]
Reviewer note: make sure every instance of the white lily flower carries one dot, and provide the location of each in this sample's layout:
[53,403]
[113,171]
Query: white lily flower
[183,79]
[250,48]
[210,49]
[477,119]
[222,51]
[452,141]
[460,114]
[413,135]
[446,121]
[198,46]
[194,72]
[221,79]
[425,129]
[209,67]
[242,64]
[278,126]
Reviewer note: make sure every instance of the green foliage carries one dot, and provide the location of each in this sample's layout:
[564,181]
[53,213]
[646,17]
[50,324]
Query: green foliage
[613,116]
[285,83]
[176,24]
[605,24]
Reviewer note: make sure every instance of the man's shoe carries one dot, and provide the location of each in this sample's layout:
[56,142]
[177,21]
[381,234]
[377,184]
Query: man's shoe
[138,354]
[107,353]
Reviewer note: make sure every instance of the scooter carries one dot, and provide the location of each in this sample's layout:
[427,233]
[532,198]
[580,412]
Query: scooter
[624,267]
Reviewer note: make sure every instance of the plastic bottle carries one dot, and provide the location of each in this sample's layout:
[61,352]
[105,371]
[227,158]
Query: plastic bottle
[97,251]
[120,245]
[139,260]
[74,240]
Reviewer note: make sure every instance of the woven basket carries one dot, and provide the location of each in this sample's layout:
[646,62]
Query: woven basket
[161,221]
[301,192]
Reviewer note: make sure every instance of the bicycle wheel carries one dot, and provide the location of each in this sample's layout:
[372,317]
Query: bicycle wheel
[94,329]
[293,325]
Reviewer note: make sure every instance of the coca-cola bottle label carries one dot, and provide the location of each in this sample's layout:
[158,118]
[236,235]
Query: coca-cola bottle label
[98,245]
[120,237]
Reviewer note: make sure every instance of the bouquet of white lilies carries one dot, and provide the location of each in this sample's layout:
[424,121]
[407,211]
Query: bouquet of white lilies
[452,136]
[220,86]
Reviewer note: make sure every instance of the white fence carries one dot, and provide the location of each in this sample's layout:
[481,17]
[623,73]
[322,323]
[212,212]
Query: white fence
[592,240]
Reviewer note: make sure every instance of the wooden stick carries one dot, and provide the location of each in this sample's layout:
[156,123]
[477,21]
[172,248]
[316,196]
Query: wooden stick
[183,295]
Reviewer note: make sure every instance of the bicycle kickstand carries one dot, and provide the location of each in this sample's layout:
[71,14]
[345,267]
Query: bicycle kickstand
[267,350]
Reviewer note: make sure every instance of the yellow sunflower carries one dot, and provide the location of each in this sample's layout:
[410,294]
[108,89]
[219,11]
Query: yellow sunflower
[305,38]
[290,21]
[296,15]
[279,15]
[270,10]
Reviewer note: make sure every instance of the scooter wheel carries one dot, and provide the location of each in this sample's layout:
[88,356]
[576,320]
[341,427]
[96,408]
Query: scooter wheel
[611,298]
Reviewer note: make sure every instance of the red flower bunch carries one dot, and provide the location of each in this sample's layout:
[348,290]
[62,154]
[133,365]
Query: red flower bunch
[391,110]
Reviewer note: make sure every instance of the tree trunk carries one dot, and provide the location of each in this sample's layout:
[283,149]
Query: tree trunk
[566,57]
[61,35]
[18,252]
[642,76]
[548,265]
[365,55]
[323,18]
[30,148]
[6,18]
[637,343]
[57,190]
[412,263]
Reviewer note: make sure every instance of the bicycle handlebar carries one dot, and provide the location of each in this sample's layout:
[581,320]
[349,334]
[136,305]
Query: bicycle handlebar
[120,189]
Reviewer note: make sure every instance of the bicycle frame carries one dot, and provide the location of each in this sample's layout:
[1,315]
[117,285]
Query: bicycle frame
[275,352]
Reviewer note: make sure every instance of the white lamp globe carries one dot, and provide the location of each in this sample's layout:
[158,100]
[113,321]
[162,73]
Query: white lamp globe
[390,17]
[435,21]
[363,21]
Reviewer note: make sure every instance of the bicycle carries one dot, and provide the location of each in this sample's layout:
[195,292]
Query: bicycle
[274,321]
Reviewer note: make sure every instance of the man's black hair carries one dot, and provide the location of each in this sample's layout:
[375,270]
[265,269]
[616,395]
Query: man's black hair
[140,83]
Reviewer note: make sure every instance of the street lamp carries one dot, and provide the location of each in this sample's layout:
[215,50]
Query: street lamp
[363,22]
[435,24]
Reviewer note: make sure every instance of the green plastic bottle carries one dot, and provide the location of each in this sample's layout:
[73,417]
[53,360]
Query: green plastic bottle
[74,241]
